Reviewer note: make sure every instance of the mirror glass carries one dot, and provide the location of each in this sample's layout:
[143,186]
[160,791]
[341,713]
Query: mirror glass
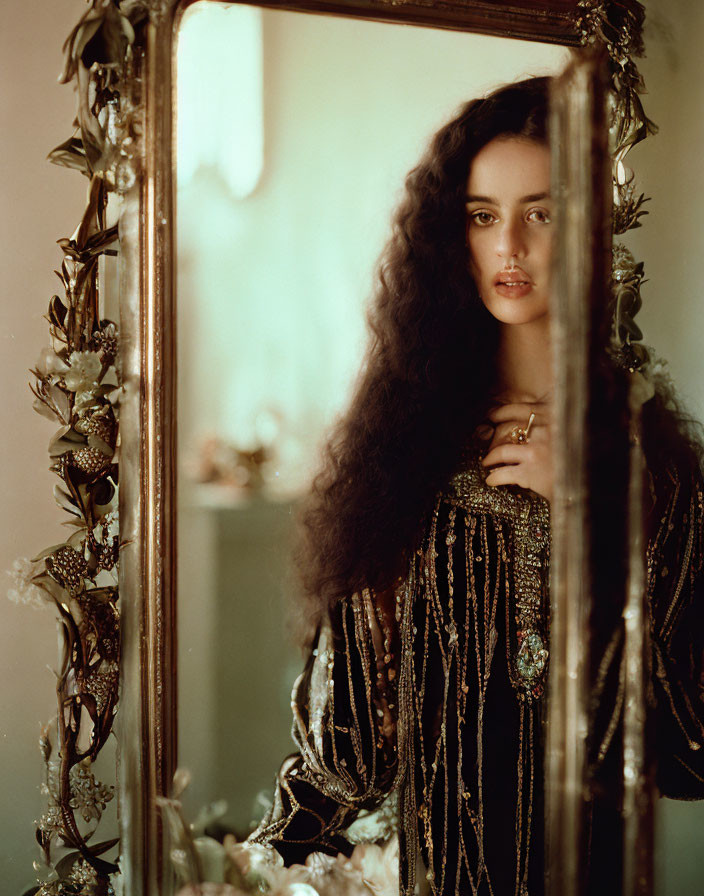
[292,151]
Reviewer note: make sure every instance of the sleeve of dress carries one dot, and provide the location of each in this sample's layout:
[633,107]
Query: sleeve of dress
[676,600]
[344,725]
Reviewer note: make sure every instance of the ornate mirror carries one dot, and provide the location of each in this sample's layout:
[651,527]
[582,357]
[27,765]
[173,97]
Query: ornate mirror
[253,156]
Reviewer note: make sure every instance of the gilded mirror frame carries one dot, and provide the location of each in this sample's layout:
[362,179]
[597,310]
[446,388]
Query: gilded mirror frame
[143,137]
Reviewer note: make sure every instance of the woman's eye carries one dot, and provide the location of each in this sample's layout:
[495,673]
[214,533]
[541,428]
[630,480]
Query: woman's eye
[482,218]
[539,216]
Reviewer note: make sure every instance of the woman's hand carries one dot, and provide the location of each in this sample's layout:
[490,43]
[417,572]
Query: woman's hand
[528,464]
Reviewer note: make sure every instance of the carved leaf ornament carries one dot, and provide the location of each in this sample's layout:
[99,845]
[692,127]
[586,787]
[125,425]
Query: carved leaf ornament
[77,384]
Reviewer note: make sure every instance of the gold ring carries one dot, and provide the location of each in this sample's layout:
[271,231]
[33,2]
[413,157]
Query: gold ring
[518,435]
[530,424]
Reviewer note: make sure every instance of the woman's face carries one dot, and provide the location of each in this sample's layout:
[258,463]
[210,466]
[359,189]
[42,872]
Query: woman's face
[509,229]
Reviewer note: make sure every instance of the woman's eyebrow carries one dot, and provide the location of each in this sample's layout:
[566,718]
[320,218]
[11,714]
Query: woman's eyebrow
[490,200]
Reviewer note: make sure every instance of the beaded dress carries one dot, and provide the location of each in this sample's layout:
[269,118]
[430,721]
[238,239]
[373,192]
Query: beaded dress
[443,706]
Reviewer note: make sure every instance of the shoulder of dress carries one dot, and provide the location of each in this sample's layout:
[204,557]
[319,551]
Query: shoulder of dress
[467,488]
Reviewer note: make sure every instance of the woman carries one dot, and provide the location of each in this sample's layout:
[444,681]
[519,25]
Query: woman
[427,539]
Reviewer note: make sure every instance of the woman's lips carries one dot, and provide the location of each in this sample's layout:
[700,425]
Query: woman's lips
[513,284]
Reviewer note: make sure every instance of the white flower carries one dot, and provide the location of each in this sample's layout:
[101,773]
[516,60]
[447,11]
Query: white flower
[25,591]
[49,363]
[658,371]
[325,875]
[211,855]
[659,368]
[84,369]
[379,866]
[255,863]
[300,889]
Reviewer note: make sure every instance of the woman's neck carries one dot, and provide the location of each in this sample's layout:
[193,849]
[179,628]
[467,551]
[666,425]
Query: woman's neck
[524,362]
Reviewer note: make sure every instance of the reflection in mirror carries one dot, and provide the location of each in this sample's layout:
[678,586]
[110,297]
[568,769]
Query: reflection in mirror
[275,267]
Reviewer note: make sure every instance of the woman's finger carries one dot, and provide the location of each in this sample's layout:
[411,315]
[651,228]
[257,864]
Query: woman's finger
[485,432]
[512,474]
[519,413]
[502,433]
[508,453]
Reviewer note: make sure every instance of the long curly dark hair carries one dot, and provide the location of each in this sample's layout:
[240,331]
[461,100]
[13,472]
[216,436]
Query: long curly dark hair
[429,370]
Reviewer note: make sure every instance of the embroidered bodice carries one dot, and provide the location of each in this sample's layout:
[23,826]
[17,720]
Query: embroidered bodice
[444,706]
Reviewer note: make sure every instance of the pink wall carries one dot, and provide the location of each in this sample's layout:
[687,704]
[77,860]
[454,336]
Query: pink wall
[39,203]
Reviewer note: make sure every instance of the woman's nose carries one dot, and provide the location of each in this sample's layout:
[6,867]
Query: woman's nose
[510,240]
